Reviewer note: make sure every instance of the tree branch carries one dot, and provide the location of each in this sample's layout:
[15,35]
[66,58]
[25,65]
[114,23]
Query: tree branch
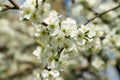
[7,7]
[100,17]
[13,3]
[101,14]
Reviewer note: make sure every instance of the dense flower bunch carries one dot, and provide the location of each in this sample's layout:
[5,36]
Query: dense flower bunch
[61,41]
[66,42]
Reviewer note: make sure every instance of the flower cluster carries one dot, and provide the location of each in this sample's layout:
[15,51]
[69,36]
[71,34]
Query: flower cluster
[62,40]
[86,50]
[58,39]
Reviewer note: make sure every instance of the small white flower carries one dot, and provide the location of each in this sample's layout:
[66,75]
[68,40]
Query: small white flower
[69,27]
[53,73]
[36,34]
[52,18]
[98,63]
[45,73]
[37,52]
[91,34]
[52,64]
[27,9]
[57,40]
[63,59]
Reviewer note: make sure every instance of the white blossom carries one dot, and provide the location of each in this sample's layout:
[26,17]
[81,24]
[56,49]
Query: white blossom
[38,51]
[52,19]
[47,74]
[27,9]
[69,27]
[98,63]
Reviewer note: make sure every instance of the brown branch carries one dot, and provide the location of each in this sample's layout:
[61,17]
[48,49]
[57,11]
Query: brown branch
[7,7]
[101,14]
[60,51]
[13,3]
[100,17]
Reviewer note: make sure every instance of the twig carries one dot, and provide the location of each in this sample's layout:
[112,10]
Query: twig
[101,14]
[100,17]
[60,51]
[15,6]
[13,3]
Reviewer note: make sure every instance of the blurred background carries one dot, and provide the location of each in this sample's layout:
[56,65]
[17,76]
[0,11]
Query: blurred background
[17,40]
